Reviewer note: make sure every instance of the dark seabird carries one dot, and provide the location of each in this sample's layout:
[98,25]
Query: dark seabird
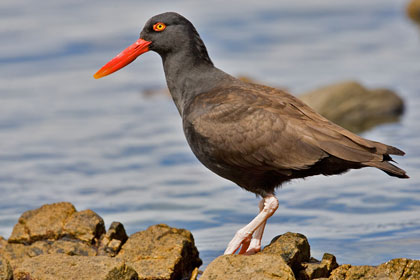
[256,136]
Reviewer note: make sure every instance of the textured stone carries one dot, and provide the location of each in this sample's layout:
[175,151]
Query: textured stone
[6,272]
[71,248]
[354,107]
[116,231]
[161,252]
[318,269]
[112,241]
[397,269]
[85,225]
[16,253]
[292,247]
[241,267]
[53,267]
[43,223]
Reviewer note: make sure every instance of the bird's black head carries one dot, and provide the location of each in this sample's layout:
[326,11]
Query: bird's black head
[166,34]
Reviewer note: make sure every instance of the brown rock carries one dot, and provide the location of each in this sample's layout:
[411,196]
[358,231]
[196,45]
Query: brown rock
[413,10]
[292,247]
[112,241]
[3,244]
[116,231]
[16,253]
[318,269]
[53,267]
[354,107]
[6,272]
[161,252]
[84,225]
[43,223]
[71,248]
[241,267]
[395,269]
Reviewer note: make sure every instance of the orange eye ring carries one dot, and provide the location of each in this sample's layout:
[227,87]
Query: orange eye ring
[160,26]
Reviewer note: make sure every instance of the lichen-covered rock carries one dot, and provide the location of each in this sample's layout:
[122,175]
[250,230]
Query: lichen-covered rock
[318,269]
[6,272]
[53,267]
[354,107]
[292,247]
[43,223]
[256,267]
[397,269]
[85,226]
[161,252]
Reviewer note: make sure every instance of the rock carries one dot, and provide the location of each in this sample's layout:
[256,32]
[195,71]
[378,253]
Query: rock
[45,222]
[112,241]
[413,11]
[292,247]
[72,248]
[161,252]
[52,267]
[395,269]
[6,272]
[3,243]
[16,253]
[281,259]
[62,241]
[318,269]
[85,226]
[354,107]
[117,231]
[240,267]
[54,221]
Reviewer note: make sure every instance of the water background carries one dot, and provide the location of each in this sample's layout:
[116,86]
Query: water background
[105,145]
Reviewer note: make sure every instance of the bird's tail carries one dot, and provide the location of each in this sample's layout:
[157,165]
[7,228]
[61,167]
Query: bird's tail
[388,167]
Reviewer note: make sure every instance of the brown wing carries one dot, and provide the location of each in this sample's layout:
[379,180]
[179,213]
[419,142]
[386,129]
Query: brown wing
[258,127]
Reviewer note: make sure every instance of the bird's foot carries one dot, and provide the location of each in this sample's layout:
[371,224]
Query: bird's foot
[253,248]
[244,238]
[248,244]
[241,238]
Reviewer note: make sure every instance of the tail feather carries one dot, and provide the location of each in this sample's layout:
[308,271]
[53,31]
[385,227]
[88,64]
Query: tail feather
[388,168]
[394,151]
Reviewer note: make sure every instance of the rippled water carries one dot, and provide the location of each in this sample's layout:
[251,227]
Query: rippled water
[102,144]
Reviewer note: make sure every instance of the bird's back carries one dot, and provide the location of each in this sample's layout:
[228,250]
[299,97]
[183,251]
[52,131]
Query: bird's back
[260,137]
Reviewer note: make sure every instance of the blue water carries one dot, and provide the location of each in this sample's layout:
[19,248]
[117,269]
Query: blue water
[105,145]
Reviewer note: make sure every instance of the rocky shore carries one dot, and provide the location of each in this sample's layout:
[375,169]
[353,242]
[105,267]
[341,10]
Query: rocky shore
[56,241]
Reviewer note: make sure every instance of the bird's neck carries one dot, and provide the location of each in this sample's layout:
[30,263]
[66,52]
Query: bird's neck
[188,74]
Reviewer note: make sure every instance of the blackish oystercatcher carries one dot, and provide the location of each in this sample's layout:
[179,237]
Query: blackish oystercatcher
[256,136]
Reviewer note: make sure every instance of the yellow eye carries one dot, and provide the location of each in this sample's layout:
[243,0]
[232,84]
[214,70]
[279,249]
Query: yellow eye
[160,26]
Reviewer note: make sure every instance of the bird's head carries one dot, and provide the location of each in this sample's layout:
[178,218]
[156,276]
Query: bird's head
[165,34]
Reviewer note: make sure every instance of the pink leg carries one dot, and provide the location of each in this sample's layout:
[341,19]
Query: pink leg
[244,235]
[255,244]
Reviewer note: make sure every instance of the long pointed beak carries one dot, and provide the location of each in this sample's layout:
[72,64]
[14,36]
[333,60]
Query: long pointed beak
[123,58]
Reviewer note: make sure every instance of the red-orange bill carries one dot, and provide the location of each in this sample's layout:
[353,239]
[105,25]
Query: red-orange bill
[123,58]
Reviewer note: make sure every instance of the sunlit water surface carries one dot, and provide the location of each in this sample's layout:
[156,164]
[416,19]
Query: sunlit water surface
[104,145]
